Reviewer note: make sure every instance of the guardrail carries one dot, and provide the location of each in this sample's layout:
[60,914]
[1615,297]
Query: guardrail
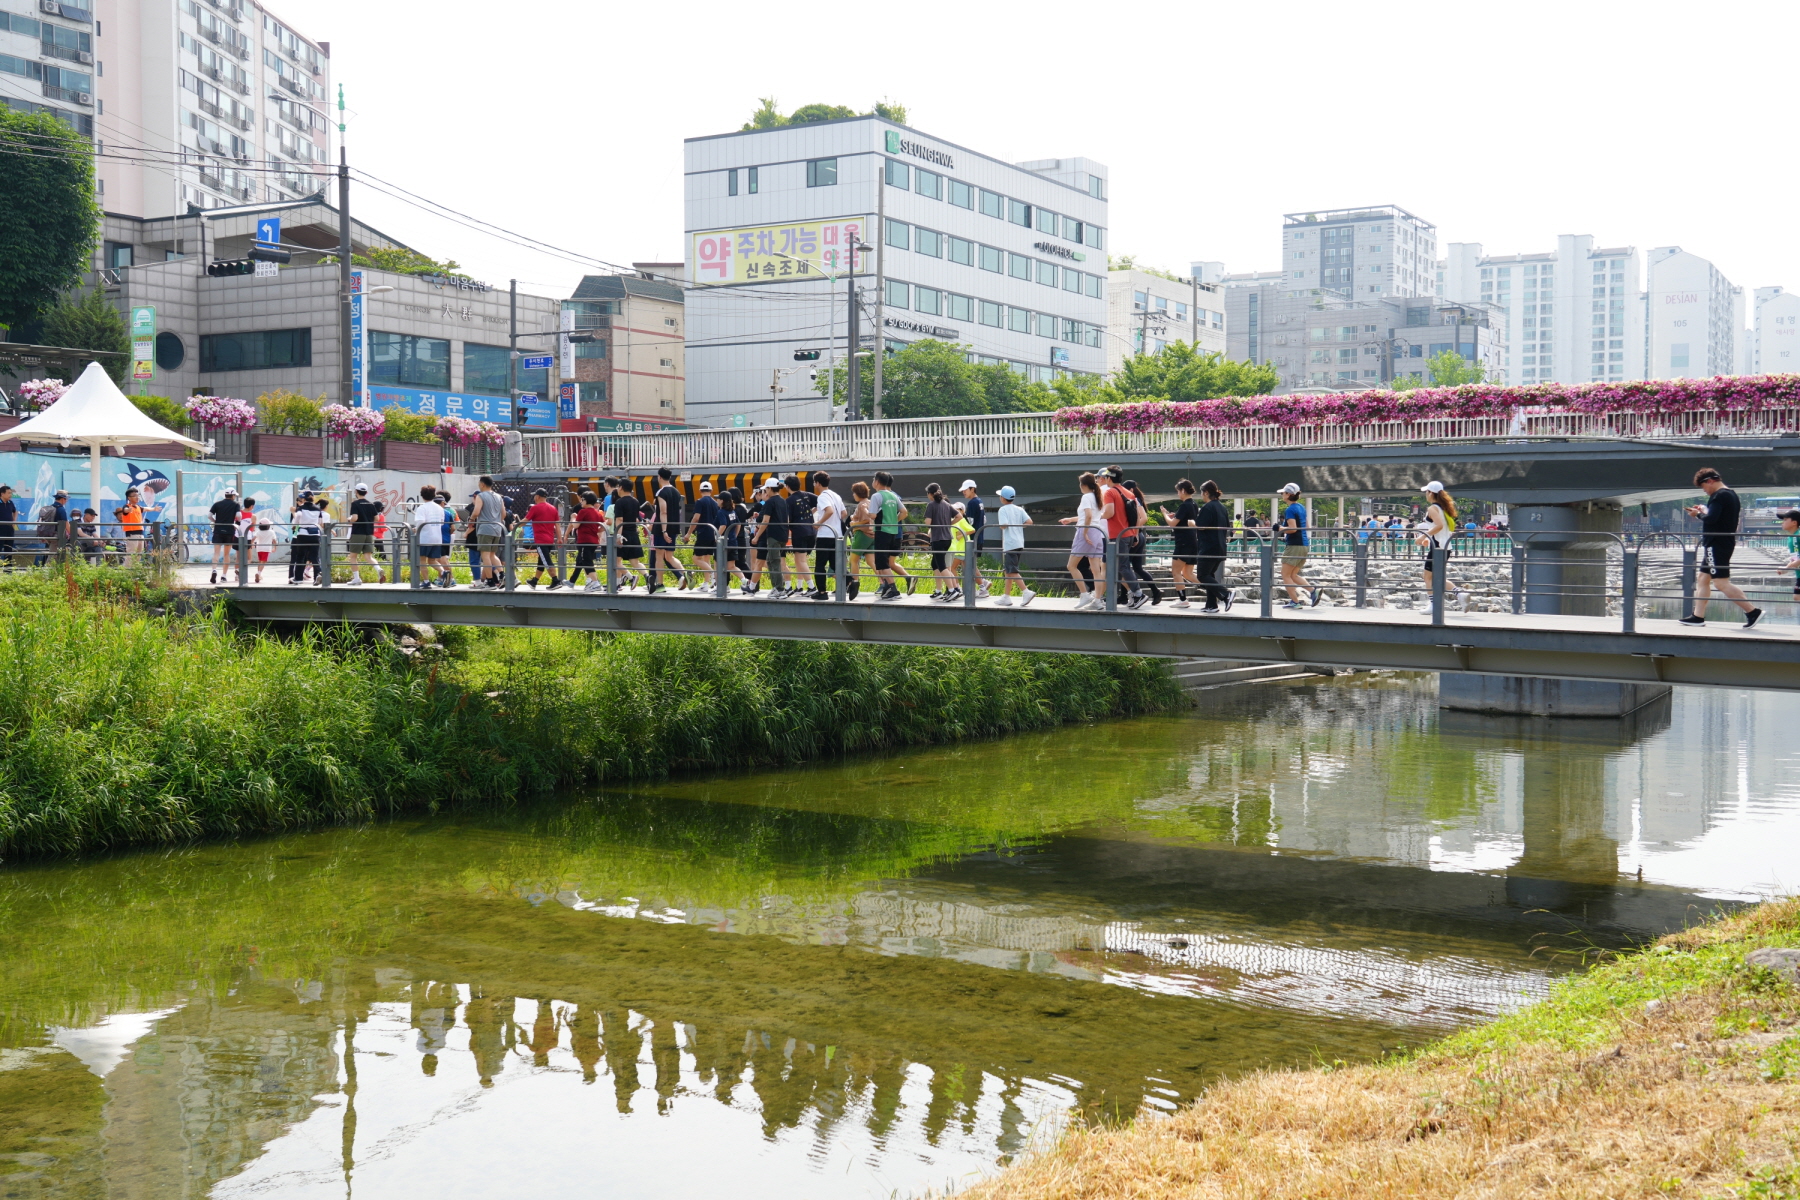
[1037,435]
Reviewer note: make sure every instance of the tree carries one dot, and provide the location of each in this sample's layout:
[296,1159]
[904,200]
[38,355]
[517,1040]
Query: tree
[1007,391]
[891,112]
[808,114]
[402,261]
[768,116]
[765,117]
[48,218]
[90,323]
[1447,369]
[1181,373]
[936,379]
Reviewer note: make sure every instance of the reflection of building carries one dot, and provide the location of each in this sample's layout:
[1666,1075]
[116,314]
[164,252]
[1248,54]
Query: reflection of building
[1142,304]
[634,366]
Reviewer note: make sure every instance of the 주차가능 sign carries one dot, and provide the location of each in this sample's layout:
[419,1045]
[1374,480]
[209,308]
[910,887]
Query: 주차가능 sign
[778,253]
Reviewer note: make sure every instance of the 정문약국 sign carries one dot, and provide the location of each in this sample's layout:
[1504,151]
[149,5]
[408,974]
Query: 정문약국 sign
[777,253]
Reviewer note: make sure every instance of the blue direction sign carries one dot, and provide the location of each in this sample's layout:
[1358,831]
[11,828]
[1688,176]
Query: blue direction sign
[527,397]
[268,231]
[536,362]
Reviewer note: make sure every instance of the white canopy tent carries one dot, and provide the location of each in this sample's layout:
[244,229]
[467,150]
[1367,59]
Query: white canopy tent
[95,413]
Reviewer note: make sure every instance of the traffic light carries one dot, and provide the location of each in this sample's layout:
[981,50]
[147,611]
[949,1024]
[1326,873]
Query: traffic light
[220,268]
[269,254]
[807,355]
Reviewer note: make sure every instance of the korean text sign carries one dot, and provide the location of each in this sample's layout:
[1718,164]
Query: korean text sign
[778,253]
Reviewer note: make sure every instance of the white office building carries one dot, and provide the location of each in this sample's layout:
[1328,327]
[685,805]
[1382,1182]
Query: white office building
[1381,250]
[1573,314]
[1146,311]
[1007,259]
[1694,315]
[191,103]
[1776,339]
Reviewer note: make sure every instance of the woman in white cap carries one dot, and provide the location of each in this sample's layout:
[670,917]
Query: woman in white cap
[1438,527]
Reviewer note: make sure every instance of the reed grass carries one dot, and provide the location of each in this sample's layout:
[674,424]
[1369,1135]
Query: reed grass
[119,727]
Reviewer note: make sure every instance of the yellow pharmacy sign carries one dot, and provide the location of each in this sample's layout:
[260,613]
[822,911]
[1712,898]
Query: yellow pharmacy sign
[784,253]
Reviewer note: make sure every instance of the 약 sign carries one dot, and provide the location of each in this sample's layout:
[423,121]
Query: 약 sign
[771,253]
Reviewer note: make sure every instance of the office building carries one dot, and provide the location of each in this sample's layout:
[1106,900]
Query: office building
[1777,332]
[631,373]
[1693,317]
[1146,311]
[1322,340]
[201,103]
[1573,314]
[1007,259]
[1381,250]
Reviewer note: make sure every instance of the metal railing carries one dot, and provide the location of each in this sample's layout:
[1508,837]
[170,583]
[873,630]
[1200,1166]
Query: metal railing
[1037,434]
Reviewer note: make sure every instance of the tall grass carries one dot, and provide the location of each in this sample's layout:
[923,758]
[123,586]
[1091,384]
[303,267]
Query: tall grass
[118,727]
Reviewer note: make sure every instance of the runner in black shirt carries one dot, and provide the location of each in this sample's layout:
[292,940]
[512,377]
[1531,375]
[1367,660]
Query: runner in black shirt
[625,519]
[1718,538]
[801,505]
[1185,523]
[705,520]
[361,547]
[665,527]
[771,535]
[9,517]
[1215,537]
[224,533]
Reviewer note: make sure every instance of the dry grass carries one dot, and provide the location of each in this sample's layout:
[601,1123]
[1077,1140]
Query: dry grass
[1675,1072]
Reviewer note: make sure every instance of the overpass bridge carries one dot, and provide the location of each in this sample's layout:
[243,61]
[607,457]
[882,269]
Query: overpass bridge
[1546,458]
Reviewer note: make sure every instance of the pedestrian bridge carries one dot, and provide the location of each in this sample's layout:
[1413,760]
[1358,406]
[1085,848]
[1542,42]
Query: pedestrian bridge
[1639,650]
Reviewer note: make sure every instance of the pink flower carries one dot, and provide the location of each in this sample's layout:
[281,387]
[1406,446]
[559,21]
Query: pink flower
[221,412]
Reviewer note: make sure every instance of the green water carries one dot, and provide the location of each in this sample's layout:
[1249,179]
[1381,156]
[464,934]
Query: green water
[859,979]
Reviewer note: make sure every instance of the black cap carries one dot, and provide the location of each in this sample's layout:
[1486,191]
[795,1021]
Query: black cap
[1792,514]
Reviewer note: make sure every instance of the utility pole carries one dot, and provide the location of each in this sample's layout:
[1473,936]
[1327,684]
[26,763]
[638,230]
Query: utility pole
[774,395]
[346,371]
[512,348]
[1194,310]
[853,403]
[880,281]
[1144,327]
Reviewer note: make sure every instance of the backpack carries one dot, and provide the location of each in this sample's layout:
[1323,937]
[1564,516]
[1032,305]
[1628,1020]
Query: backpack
[48,526]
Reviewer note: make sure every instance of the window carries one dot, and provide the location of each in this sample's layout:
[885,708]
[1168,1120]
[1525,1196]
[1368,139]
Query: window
[1096,187]
[962,251]
[1019,213]
[821,172]
[118,254]
[990,313]
[731,182]
[1162,306]
[961,194]
[991,204]
[751,173]
[1018,320]
[928,184]
[1018,266]
[170,352]
[257,351]
[960,308]
[1094,285]
[594,349]
[899,234]
[1072,280]
[928,300]
[1218,322]
[896,294]
[1071,230]
[1048,222]
[1678,356]
[1347,354]
[1140,301]
[484,369]
[928,241]
[1046,325]
[992,259]
[1047,274]
[896,174]
[1180,311]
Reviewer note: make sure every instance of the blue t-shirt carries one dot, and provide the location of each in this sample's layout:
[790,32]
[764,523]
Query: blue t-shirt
[1297,514]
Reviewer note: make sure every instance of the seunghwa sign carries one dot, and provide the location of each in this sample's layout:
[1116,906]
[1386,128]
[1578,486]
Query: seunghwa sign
[899,145]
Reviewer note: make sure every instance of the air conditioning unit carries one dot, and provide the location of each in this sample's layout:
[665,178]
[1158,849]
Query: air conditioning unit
[84,56]
[49,6]
[84,97]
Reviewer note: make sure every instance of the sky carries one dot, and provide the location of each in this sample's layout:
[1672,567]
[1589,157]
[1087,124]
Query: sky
[1645,124]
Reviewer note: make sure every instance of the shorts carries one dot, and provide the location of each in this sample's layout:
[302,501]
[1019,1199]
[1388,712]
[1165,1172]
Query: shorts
[1009,561]
[489,543]
[887,545]
[1187,551]
[1715,557]
[661,540]
[546,557]
[262,556]
[939,548]
[860,543]
[435,550]
[703,549]
[1293,556]
[631,549]
[767,550]
[802,539]
[224,537]
[1088,543]
[361,543]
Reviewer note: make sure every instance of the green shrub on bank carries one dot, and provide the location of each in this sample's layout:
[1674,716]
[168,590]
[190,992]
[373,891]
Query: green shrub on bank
[118,728]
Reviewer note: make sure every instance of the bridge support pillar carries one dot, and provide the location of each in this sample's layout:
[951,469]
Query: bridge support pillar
[1565,575]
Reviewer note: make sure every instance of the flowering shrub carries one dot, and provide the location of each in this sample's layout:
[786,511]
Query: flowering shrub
[460,431]
[1721,393]
[361,425]
[221,412]
[39,394]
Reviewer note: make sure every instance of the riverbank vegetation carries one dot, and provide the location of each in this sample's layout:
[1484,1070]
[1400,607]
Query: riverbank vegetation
[122,725]
[1674,1072]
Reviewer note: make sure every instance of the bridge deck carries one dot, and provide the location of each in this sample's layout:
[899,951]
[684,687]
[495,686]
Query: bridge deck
[1721,654]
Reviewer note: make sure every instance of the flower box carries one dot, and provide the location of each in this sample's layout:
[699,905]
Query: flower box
[287,450]
[409,456]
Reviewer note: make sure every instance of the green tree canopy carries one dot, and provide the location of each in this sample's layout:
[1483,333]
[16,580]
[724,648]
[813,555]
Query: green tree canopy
[1447,369]
[936,379]
[768,116]
[403,261]
[48,218]
[88,322]
[1182,373]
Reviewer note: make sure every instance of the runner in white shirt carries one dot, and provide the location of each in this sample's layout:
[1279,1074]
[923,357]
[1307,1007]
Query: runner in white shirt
[828,533]
[262,542]
[427,523]
[1012,519]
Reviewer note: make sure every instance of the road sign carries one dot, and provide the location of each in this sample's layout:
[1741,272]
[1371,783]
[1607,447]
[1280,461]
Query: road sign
[268,230]
[536,362]
[528,397]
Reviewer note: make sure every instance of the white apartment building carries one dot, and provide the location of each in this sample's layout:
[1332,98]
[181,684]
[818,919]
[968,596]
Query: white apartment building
[1382,250]
[1146,311]
[1776,339]
[1007,259]
[204,103]
[1573,315]
[1693,317]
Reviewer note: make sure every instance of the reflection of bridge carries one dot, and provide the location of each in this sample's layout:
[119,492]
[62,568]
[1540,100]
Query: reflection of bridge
[1543,458]
[1542,646]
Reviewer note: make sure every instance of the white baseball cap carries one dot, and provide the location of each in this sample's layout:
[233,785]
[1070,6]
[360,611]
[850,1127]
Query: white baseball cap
[706,485]
[771,482]
[1433,486]
[966,485]
[1290,489]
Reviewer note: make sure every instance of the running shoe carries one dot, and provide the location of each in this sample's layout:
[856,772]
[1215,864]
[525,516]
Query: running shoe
[820,595]
[1004,601]
[1138,601]
[593,585]
[1026,597]
[953,594]
[1184,604]
[1693,620]
[890,593]
[1752,617]
[556,583]
[1316,593]
[910,580]
[1227,599]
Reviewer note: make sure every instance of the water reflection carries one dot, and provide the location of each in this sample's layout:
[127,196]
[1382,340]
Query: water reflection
[870,977]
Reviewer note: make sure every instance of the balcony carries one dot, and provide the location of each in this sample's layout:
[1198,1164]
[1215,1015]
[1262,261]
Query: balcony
[292,85]
[68,96]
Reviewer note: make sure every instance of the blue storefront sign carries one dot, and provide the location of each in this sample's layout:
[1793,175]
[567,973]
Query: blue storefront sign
[359,382]
[496,409]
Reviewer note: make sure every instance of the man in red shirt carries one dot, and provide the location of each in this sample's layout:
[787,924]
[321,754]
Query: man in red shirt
[545,523]
[589,521]
[1113,507]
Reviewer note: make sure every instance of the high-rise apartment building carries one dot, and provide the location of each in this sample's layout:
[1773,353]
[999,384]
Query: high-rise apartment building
[1007,259]
[202,103]
[1777,332]
[1382,250]
[1146,311]
[1693,317]
[1573,314]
